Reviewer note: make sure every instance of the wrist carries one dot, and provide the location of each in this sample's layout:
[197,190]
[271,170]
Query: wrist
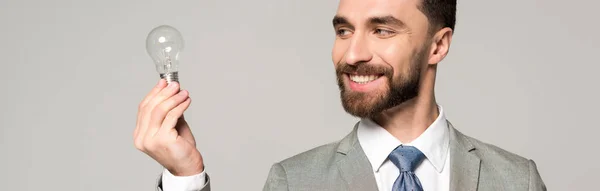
[188,170]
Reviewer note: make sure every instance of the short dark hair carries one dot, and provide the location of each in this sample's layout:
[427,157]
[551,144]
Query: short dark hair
[441,13]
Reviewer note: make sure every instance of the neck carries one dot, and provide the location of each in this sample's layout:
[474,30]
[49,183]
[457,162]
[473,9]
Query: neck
[410,119]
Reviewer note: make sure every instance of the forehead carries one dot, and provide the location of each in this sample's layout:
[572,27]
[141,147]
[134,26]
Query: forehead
[360,10]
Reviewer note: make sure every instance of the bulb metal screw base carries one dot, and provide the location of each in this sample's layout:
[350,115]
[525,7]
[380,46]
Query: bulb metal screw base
[170,77]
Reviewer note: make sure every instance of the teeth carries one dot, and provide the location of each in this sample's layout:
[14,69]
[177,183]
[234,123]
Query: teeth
[362,79]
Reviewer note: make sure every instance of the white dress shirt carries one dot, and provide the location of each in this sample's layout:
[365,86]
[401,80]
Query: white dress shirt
[171,182]
[433,172]
[377,143]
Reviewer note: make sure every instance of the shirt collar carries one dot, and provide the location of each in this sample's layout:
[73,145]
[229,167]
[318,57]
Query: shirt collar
[378,143]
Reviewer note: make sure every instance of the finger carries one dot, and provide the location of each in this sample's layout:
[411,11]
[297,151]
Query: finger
[162,95]
[174,117]
[146,114]
[163,109]
[185,131]
[159,86]
[138,141]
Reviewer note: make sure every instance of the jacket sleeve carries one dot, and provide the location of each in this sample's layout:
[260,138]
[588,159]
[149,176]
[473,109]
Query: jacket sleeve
[277,179]
[535,180]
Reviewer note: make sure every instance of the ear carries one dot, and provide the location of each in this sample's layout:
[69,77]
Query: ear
[440,45]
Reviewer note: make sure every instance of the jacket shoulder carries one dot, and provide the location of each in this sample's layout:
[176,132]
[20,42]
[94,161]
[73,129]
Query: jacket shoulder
[501,169]
[493,153]
[317,158]
[505,170]
[322,158]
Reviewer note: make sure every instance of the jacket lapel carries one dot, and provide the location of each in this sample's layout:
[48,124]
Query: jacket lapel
[464,163]
[354,166]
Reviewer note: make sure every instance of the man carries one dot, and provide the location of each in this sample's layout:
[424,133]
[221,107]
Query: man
[385,55]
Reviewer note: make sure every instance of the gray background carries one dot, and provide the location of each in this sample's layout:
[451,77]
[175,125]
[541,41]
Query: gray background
[521,74]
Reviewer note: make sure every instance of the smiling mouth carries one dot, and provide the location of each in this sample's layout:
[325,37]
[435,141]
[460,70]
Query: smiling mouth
[364,79]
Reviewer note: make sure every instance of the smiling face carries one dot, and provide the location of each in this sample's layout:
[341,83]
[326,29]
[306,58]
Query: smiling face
[380,51]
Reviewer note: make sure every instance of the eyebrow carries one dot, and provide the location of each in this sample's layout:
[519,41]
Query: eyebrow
[386,20]
[340,20]
[376,20]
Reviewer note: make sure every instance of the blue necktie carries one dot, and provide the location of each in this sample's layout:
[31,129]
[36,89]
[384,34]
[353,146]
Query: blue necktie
[407,158]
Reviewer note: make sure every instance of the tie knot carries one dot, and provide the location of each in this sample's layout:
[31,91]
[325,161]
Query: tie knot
[406,158]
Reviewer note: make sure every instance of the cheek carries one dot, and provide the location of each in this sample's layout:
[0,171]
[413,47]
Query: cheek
[397,56]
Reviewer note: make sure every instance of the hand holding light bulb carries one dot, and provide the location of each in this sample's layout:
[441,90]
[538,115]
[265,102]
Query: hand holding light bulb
[161,130]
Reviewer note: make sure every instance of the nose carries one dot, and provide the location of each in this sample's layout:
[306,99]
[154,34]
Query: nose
[358,51]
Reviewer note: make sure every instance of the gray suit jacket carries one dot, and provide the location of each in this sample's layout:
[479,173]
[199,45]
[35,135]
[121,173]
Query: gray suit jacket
[343,165]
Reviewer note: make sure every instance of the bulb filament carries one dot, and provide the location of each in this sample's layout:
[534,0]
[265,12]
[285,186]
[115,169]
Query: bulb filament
[168,63]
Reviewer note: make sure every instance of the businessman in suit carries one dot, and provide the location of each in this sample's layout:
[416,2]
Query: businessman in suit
[385,56]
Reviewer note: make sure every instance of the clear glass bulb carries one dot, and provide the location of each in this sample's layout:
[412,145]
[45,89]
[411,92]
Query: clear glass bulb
[164,44]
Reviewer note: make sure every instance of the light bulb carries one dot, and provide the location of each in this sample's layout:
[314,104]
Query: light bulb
[164,44]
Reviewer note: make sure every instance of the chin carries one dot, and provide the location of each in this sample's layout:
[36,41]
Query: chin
[363,104]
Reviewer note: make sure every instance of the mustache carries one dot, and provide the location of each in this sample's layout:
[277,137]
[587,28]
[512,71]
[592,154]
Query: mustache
[364,69]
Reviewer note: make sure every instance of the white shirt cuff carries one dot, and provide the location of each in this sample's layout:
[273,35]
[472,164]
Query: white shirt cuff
[171,182]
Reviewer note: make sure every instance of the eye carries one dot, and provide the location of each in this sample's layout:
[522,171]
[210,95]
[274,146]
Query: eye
[384,32]
[342,32]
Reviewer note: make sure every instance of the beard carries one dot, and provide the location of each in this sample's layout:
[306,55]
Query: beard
[398,90]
